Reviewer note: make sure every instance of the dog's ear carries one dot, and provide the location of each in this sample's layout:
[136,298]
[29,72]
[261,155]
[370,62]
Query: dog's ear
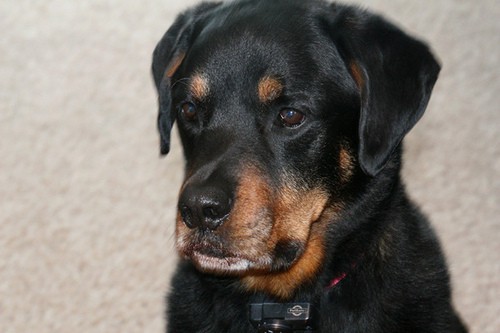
[167,58]
[395,74]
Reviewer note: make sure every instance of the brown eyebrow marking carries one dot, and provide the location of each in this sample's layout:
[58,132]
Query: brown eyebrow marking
[269,89]
[357,74]
[174,64]
[199,86]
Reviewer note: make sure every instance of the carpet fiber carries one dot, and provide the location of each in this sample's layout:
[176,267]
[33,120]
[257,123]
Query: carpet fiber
[87,207]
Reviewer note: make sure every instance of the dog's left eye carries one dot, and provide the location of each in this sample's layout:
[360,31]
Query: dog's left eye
[189,111]
[291,117]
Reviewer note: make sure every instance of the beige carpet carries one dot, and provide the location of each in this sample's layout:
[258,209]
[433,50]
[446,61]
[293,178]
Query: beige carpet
[87,207]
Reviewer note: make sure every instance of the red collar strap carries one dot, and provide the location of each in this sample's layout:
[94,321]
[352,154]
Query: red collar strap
[336,280]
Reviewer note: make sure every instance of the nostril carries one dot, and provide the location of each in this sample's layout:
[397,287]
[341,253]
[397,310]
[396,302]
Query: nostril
[211,212]
[187,216]
[214,214]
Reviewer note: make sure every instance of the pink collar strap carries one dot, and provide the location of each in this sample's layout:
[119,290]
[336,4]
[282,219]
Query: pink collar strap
[336,280]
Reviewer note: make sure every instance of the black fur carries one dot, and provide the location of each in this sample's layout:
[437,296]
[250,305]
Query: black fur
[362,84]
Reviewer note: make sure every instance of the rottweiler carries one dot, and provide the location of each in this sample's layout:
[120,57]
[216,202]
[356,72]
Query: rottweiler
[291,115]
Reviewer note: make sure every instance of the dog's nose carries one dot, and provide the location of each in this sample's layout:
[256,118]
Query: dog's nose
[204,207]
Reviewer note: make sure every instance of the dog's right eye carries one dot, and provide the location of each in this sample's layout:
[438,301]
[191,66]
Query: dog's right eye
[189,111]
[291,118]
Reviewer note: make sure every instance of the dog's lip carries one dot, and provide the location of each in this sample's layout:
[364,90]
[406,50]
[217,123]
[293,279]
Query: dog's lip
[224,265]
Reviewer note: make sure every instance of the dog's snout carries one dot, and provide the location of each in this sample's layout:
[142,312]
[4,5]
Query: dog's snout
[204,207]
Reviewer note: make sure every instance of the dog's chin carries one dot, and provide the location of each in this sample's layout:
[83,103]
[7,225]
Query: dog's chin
[220,266]
[235,265]
[228,265]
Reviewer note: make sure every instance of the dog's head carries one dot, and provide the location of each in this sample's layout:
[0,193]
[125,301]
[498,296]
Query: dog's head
[284,108]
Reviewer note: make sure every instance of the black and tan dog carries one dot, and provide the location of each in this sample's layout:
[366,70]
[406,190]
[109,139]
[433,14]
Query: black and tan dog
[291,115]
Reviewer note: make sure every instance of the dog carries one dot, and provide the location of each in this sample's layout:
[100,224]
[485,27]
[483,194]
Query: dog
[292,215]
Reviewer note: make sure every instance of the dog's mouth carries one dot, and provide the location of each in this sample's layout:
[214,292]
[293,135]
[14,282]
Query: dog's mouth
[227,264]
[212,256]
[219,259]
[209,260]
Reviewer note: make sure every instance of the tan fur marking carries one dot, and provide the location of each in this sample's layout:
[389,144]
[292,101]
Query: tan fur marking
[284,284]
[295,211]
[199,87]
[300,215]
[357,74]
[269,89]
[248,221]
[346,162]
[174,65]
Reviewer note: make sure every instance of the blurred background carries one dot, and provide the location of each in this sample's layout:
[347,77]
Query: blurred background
[87,206]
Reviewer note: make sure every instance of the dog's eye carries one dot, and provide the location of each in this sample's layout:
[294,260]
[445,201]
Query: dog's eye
[189,111]
[291,117]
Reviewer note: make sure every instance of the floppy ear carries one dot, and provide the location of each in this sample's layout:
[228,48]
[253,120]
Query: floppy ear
[167,58]
[395,74]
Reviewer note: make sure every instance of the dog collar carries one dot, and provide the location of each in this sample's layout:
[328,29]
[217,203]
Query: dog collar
[267,316]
